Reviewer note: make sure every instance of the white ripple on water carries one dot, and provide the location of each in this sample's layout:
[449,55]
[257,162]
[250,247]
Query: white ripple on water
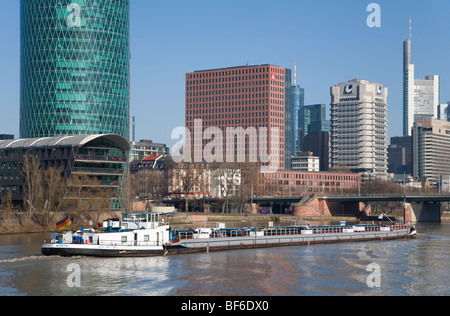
[24,259]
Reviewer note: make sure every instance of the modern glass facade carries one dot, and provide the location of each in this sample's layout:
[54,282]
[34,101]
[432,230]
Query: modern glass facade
[298,101]
[75,68]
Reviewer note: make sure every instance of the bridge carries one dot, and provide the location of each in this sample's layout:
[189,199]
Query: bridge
[363,198]
[418,208]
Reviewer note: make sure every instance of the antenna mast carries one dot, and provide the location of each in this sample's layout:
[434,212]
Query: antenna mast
[295,74]
[410,28]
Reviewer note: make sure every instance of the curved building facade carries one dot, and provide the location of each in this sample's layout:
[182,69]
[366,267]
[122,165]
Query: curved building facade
[75,68]
[100,157]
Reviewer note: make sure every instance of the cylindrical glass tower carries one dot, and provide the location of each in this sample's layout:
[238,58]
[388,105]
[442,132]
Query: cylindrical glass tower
[75,67]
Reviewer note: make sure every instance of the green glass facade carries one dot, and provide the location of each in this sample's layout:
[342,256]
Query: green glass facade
[75,68]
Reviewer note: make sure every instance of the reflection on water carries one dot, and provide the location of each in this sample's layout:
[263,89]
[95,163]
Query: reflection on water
[408,267]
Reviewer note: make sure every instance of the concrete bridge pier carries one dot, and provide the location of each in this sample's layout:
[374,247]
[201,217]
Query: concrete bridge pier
[422,212]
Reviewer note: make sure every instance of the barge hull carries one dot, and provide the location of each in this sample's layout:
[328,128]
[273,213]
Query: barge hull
[101,252]
[198,246]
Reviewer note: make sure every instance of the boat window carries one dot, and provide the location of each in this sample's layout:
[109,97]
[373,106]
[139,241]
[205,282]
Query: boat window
[124,238]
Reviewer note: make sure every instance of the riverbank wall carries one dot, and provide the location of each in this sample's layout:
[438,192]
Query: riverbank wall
[13,225]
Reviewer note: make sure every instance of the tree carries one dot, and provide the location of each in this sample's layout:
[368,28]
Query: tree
[189,178]
[54,190]
[152,184]
[6,206]
[85,197]
[32,186]
[225,182]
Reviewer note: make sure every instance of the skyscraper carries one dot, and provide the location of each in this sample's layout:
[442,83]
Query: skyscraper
[288,119]
[312,118]
[426,97]
[359,127]
[431,148]
[298,101]
[408,86]
[75,67]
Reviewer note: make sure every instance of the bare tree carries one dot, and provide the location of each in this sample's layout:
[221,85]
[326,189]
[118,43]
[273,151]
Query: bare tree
[32,183]
[152,184]
[54,190]
[225,182]
[189,178]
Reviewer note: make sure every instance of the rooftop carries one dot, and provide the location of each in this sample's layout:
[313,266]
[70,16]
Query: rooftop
[62,141]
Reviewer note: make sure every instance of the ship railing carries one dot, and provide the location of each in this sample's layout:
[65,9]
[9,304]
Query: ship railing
[281,232]
[129,243]
[108,243]
[288,231]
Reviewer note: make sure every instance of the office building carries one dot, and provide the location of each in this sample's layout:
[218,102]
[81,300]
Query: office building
[408,88]
[420,96]
[298,101]
[359,127]
[75,68]
[318,142]
[247,97]
[431,149]
[142,149]
[312,118]
[288,119]
[100,157]
[305,162]
[400,156]
[296,183]
[426,97]
[444,183]
[443,111]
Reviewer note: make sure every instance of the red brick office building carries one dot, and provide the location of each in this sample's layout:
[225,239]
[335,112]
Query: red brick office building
[247,97]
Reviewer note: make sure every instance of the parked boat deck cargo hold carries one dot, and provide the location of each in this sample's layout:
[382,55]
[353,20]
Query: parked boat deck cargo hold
[142,235]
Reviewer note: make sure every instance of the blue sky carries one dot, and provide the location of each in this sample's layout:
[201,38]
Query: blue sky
[329,40]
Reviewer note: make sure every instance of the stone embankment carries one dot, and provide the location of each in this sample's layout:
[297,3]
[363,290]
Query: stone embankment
[177,220]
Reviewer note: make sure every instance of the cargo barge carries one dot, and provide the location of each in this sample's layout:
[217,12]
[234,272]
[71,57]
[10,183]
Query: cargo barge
[142,235]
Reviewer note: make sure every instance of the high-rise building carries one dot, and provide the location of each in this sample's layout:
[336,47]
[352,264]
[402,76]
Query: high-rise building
[431,149]
[359,127]
[75,67]
[289,117]
[400,155]
[247,97]
[426,97]
[408,87]
[312,118]
[318,142]
[298,101]
[443,111]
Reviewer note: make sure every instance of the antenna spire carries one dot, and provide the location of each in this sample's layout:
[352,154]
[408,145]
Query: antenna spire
[410,28]
[295,73]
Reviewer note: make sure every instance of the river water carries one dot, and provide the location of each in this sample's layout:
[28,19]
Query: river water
[405,267]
